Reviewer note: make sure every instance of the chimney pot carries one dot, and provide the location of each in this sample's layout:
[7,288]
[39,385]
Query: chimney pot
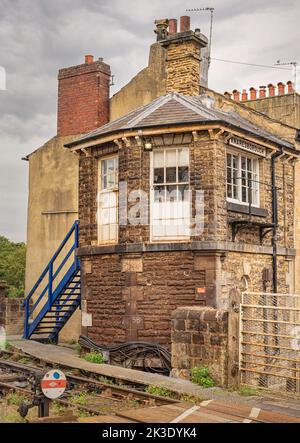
[236,95]
[281,88]
[185,23]
[89,58]
[262,92]
[227,95]
[173,26]
[253,94]
[244,95]
[290,87]
[271,90]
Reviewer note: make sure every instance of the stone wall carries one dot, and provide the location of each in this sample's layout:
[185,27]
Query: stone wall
[134,302]
[132,296]
[199,338]
[11,315]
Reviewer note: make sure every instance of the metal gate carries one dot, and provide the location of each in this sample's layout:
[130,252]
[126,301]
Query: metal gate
[269,350]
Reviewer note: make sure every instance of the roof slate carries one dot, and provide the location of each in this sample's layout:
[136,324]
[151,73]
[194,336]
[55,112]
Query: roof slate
[175,108]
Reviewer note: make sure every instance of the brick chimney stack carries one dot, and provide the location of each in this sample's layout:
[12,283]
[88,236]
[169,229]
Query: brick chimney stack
[83,97]
[183,55]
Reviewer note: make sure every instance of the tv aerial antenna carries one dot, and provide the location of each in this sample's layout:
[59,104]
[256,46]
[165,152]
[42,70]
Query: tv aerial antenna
[211,10]
[294,68]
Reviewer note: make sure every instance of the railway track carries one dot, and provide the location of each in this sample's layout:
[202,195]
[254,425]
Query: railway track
[106,402]
[99,397]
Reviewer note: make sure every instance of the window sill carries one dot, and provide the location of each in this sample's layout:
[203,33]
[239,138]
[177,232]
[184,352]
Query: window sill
[244,209]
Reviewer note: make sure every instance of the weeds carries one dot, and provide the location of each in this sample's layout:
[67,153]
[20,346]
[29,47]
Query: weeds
[201,376]
[79,398]
[191,399]
[247,391]
[78,349]
[58,408]
[94,357]
[15,399]
[159,390]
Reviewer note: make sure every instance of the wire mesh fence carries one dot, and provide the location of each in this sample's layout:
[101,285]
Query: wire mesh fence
[270,341]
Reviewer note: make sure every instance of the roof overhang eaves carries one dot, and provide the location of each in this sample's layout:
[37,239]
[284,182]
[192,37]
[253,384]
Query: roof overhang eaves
[176,127]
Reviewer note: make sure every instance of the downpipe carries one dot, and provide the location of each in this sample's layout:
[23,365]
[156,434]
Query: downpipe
[274,216]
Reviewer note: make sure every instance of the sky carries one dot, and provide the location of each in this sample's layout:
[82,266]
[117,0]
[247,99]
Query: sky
[37,37]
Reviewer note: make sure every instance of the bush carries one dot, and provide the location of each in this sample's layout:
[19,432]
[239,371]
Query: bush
[12,266]
[201,376]
[94,357]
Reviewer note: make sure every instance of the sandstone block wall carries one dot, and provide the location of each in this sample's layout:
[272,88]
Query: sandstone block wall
[199,338]
[11,315]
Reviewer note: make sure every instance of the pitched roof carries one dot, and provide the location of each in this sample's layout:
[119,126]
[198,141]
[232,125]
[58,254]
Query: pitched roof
[175,108]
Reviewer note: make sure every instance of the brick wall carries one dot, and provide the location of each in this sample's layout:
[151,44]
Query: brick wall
[83,97]
[199,338]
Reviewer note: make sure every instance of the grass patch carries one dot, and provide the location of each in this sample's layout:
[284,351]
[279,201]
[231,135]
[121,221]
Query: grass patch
[11,417]
[191,399]
[23,360]
[79,399]
[15,399]
[58,408]
[78,349]
[247,391]
[201,376]
[159,390]
[94,357]
[81,414]
[105,380]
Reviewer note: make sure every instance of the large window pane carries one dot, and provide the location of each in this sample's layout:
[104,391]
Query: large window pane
[183,174]
[158,176]
[183,157]
[171,175]
[158,159]
[171,157]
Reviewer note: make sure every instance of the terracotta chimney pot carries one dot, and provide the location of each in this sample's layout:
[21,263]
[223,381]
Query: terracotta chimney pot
[271,90]
[290,87]
[227,95]
[89,58]
[244,95]
[173,26]
[185,23]
[236,95]
[253,93]
[281,88]
[262,92]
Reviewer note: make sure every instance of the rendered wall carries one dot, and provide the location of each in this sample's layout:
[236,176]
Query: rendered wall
[52,209]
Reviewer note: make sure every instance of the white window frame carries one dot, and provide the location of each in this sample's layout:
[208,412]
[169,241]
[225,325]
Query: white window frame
[107,193]
[166,239]
[255,184]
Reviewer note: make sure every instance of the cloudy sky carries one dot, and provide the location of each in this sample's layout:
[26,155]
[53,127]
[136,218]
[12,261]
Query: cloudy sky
[37,37]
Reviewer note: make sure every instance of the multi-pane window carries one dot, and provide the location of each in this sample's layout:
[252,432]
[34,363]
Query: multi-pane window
[108,200]
[170,193]
[242,179]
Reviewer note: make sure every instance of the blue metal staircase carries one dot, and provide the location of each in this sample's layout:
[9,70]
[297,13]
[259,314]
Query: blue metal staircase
[56,294]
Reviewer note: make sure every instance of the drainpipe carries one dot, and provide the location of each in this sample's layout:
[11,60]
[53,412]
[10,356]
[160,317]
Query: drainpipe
[274,217]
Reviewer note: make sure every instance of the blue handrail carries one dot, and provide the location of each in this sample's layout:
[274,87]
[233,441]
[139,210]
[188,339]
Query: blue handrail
[49,288]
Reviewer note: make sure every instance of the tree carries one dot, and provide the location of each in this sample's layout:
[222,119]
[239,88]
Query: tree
[12,266]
